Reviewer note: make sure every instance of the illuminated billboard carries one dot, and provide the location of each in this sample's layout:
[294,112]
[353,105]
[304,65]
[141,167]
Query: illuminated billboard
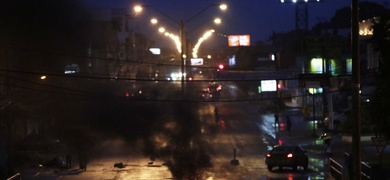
[239,40]
[196,61]
[155,51]
[268,86]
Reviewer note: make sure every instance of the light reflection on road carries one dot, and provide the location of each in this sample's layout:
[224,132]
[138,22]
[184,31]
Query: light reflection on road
[272,136]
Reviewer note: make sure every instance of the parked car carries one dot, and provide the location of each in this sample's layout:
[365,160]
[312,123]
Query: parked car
[287,156]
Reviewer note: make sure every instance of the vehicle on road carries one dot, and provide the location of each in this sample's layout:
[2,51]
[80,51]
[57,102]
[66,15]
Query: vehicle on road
[287,156]
[207,96]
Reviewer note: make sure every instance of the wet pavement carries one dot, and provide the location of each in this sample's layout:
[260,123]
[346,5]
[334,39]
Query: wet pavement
[305,135]
[302,133]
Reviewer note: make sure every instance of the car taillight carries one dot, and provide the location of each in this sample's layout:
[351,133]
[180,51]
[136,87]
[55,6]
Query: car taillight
[268,155]
[290,155]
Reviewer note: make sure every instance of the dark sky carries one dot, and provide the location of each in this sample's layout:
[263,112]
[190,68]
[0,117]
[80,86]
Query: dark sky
[259,18]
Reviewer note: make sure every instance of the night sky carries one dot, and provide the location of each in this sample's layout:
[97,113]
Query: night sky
[259,18]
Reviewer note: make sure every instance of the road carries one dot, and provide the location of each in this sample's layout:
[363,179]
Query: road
[252,134]
[245,133]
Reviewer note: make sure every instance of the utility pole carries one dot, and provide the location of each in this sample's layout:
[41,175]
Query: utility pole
[182,41]
[356,147]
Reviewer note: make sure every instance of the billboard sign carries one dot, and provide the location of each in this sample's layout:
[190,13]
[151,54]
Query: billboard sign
[196,61]
[268,85]
[155,51]
[239,40]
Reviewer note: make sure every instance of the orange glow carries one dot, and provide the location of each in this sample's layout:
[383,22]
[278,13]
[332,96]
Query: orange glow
[239,40]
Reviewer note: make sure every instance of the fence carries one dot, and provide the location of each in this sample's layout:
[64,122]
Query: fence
[335,170]
[15,177]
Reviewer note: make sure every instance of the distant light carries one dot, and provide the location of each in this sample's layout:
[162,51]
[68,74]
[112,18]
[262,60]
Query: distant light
[300,1]
[138,8]
[155,51]
[161,29]
[154,21]
[43,77]
[197,45]
[217,21]
[220,66]
[223,6]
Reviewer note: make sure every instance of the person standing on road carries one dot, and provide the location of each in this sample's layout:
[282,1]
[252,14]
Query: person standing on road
[68,158]
[277,119]
[288,125]
[216,115]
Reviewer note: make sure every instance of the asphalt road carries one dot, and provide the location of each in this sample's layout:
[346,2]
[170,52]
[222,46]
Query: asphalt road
[251,134]
[244,133]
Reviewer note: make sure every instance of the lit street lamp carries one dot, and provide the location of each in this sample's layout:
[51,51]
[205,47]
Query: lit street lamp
[181,24]
[178,43]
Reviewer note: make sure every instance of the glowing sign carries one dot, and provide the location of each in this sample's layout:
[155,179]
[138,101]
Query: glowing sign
[239,40]
[196,61]
[155,51]
[268,85]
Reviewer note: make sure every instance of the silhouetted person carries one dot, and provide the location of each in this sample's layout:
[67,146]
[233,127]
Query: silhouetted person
[277,119]
[68,158]
[288,123]
[82,160]
[216,115]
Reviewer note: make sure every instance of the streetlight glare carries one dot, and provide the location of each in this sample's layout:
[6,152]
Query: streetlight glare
[138,8]
[197,45]
[223,7]
[161,29]
[217,21]
[154,21]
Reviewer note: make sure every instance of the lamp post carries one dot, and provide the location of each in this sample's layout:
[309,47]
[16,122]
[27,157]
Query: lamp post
[181,23]
[356,147]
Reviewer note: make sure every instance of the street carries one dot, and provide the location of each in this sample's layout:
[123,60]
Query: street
[252,134]
[245,132]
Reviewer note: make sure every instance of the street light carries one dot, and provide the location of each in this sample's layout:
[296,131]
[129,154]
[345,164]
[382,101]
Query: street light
[200,40]
[181,24]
